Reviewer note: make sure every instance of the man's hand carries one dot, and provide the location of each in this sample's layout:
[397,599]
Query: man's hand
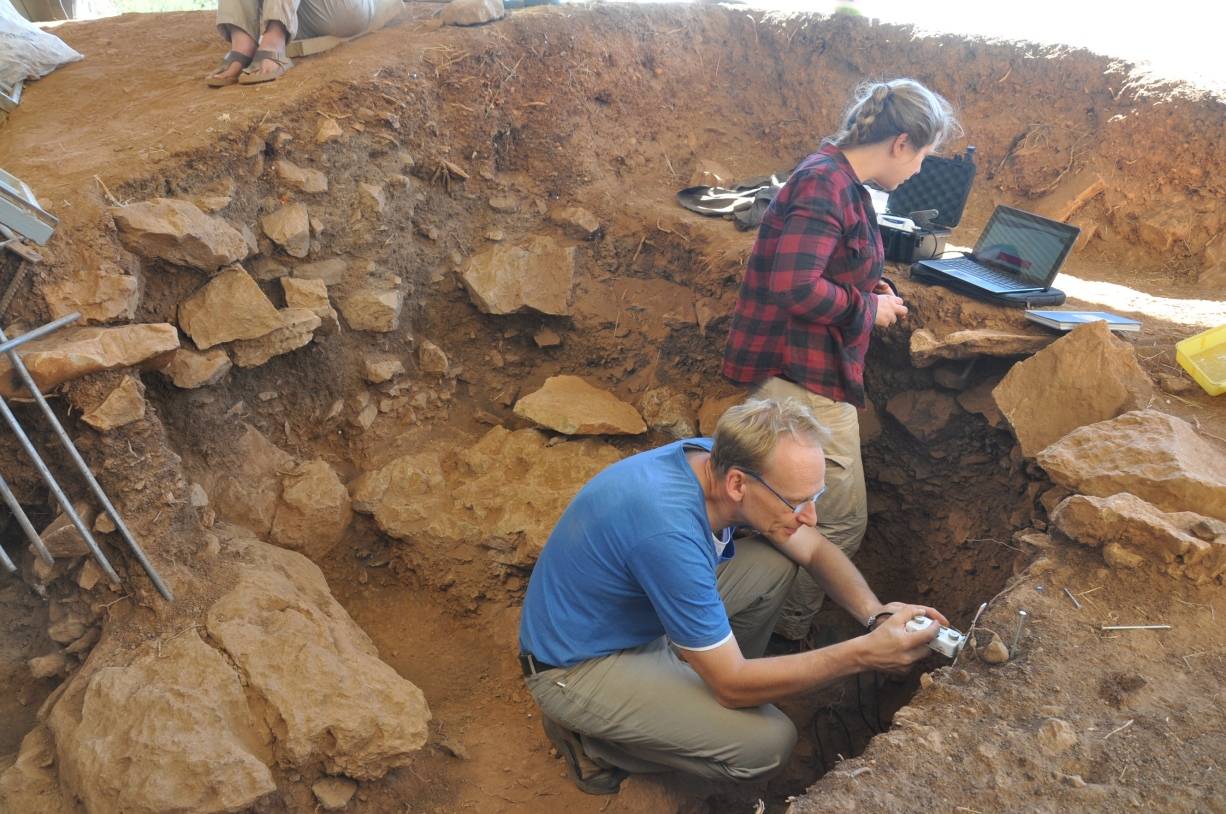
[890,309]
[891,647]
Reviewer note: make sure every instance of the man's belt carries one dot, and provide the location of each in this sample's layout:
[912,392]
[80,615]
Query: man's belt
[532,665]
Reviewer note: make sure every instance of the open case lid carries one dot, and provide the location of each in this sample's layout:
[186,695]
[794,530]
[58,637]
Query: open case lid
[942,184]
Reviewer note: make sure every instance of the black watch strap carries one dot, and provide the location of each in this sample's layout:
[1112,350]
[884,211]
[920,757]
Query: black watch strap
[875,618]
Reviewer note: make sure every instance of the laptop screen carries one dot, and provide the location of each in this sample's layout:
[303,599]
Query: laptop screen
[1025,244]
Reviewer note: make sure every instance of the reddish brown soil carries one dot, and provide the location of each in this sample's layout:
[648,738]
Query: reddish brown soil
[610,108]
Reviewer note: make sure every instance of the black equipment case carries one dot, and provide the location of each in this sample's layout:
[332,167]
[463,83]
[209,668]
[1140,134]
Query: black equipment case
[942,184]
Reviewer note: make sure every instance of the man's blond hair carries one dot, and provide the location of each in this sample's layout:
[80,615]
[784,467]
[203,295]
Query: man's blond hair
[748,433]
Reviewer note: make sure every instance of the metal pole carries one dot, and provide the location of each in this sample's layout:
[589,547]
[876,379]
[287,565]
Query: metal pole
[24,522]
[84,469]
[8,345]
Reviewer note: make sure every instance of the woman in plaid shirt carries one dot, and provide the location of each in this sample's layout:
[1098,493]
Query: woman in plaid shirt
[813,292]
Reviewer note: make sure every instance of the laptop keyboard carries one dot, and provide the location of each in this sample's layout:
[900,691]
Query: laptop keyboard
[982,272]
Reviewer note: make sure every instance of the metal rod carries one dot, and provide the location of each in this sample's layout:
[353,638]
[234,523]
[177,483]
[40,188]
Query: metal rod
[1135,627]
[1017,634]
[1070,596]
[53,485]
[9,344]
[26,526]
[86,473]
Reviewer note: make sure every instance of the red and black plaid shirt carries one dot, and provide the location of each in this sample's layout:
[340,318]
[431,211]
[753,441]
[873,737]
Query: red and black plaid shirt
[805,311]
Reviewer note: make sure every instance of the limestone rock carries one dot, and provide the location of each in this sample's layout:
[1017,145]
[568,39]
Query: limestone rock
[431,358]
[379,369]
[188,369]
[30,785]
[98,294]
[1155,456]
[546,338]
[48,666]
[537,274]
[334,793]
[575,221]
[1056,736]
[665,410]
[927,349]
[317,673]
[314,510]
[290,228]
[331,271]
[712,410]
[297,329]
[996,652]
[978,399]
[71,353]
[412,500]
[178,232]
[708,173]
[313,296]
[373,309]
[1137,528]
[231,306]
[1086,376]
[170,730]
[245,485]
[472,12]
[328,130]
[924,413]
[1072,193]
[124,404]
[373,197]
[571,406]
[301,178]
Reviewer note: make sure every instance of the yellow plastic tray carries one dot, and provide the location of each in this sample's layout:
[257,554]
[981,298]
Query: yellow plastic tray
[1204,357]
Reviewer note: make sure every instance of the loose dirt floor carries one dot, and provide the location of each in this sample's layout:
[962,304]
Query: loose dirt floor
[474,135]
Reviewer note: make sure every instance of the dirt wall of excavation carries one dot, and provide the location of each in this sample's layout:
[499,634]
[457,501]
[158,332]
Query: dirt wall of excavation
[340,415]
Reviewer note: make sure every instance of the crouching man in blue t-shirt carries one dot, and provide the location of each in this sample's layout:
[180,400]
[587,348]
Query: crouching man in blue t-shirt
[642,634]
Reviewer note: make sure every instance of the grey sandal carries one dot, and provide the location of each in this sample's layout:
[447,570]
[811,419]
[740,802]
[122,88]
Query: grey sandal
[214,80]
[252,75]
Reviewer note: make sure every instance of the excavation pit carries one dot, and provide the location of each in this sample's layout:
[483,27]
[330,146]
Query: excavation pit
[388,453]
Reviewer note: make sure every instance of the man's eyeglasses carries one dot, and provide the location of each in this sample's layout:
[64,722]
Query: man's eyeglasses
[796,508]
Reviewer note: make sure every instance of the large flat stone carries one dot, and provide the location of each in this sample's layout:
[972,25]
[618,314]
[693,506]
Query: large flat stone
[98,292]
[302,179]
[927,348]
[297,329]
[122,406]
[244,481]
[571,406]
[179,232]
[188,368]
[168,730]
[503,494]
[314,510]
[71,353]
[231,306]
[1182,543]
[373,309]
[313,296]
[924,413]
[317,673]
[1155,456]
[1086,376]
[536,275]
[290,228]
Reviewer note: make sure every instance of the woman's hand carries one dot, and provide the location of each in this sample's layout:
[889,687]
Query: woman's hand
[890,309]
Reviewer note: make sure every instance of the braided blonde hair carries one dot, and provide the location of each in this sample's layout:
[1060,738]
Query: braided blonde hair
[883,110]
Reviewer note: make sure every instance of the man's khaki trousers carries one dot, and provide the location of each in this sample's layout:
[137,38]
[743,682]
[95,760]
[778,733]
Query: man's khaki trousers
[645,710]
[842,513]
[303,19]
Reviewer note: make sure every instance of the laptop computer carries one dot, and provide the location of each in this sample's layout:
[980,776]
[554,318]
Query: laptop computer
[1017,252]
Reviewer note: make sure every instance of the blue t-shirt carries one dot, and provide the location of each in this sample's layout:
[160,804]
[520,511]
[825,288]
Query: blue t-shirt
[632,558]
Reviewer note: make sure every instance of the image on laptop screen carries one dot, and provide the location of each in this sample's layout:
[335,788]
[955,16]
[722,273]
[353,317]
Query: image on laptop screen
[1026,244]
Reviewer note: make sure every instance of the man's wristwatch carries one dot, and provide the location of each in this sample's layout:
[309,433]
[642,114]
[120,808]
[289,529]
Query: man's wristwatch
[872,621]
